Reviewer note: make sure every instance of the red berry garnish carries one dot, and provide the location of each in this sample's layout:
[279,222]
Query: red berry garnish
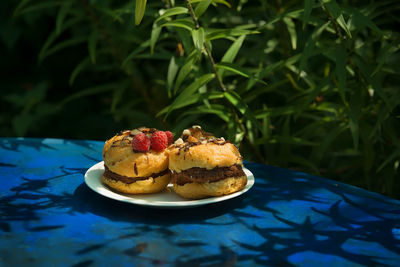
[159,141]
[141,143]
[170,137]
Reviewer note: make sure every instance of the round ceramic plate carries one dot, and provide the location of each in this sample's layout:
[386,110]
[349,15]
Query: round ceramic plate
[166,199]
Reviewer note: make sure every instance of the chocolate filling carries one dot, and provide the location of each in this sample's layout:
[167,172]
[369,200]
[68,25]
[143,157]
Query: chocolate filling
[202,175]
[129,180]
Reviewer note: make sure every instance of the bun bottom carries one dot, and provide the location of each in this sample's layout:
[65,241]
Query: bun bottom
[147,186]
[214,189]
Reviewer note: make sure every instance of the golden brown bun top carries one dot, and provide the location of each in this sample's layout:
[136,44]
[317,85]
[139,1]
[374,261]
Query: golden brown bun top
[119,156]
[203,151]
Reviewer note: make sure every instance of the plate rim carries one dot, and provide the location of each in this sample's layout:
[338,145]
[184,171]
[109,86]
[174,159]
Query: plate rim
[185,203]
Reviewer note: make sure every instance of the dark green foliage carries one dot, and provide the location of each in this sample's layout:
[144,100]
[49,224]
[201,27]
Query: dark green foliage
[308,85]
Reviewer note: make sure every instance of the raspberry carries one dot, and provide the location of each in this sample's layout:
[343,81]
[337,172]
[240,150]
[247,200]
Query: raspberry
[159,141]
[141,143]
[170,137]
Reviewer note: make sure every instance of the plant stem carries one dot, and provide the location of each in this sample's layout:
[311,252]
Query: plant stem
[221,84]
[333,21]
[196,24]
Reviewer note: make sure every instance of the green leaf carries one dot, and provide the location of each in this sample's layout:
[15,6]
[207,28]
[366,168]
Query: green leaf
[190,90]
[308,6]
[78,69]
[221,111]
[20,6]
[53,36]
[20,10]
[155,33]
[309,48]
[172,71]
[139,10]
[354,111]
[341,72]
[62,45]
[187,24]
[201,8]
[240,105]
[62,13]
[195,98]
[222,2]
[117,96]
[185,70]
[135,52]
[360,21]
[231,53]
[238,70]
[171,12]
[198,38]
[227,33]
[292,31]
[92,43]
[90,91]
[342,23]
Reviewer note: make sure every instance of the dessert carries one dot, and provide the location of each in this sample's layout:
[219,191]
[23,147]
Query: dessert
[136,161]
[205,166]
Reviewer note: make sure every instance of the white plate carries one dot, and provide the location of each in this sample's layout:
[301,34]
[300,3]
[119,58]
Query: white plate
[166,199]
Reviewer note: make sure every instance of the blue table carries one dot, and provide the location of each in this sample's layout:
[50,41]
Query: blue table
[49,217]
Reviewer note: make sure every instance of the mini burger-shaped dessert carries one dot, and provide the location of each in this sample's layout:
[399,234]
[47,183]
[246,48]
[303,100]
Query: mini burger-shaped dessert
[136,161]
[204,166]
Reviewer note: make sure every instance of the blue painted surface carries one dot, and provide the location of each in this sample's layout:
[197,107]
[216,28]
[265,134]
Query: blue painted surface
[49,217]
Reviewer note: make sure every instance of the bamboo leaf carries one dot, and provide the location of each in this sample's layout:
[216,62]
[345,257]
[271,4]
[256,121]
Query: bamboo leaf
[240,105]
[195,98]
[198,38]
[185,70]
[341,60]
[189,91]
[201,8]
[20,10]
[231,53]
[172,71]
[179,23]
[308,6]
[78,69]
[62,45]
[139,10]
[292,31]
[171,12]
[92,43]
[219,110]
[155,33]
[135,52]
[225,33]
[238,70]
[90,91]
[62,13]
[222,2]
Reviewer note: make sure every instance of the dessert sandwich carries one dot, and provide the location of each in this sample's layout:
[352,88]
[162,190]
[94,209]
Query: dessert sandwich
[136,161]
[205,166]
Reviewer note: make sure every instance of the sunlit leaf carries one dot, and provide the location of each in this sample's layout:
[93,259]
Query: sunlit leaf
[201,8]
[139,10]
[172,12]
[198,38]
[341,72]
[180,23]
[231,53]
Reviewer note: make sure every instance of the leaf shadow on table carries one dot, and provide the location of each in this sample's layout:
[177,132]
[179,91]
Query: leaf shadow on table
[326,231]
